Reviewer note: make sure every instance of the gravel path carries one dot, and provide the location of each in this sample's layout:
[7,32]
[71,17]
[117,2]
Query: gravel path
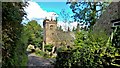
[38,62]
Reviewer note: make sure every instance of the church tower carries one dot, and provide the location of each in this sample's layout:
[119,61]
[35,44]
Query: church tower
[50,27]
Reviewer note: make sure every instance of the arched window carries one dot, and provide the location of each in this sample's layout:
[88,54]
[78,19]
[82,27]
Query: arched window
[51,27]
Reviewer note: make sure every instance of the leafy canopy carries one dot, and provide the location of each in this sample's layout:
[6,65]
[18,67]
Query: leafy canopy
[87,12]
[34,33]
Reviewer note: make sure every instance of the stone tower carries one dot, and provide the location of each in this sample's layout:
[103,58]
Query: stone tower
[50,27]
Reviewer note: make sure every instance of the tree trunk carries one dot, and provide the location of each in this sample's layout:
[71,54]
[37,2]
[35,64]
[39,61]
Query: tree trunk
[43,49]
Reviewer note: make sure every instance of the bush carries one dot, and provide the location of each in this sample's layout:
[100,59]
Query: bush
[13,37]
[40,53]
[63,59]
[61,48]
[48,47]
[92,50]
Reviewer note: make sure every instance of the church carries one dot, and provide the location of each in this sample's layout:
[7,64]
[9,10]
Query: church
[54,36]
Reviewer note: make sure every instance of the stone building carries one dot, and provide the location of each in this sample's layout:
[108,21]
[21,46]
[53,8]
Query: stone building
[50,27]
[112,12]
[54,36]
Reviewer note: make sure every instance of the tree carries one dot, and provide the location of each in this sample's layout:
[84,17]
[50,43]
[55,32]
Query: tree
[73,29]
[34,31]
[68,29]
[13,46]
[86,52]
[87,12]
[65,17]
[60,28]
[78,27]
[92,49]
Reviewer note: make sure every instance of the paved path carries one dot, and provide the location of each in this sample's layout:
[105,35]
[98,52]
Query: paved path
[38,62]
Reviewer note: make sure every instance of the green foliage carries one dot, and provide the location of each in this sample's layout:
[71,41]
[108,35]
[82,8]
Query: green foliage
[63,59]
[34,33]
[61,48]
[116,37]
[42,54]
[89,48]
[48,47]
[116,44]
[86,11]
[92,50]
[14,46]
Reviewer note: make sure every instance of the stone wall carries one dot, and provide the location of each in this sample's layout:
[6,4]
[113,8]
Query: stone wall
[112,12]
[50,27]
[54,36]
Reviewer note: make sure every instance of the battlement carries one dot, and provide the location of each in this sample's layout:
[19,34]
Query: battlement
[53,36]
[48,21]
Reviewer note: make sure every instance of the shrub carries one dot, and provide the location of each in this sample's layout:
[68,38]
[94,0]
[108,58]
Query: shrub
[48,47]
[13,37]
[40,53]
[92,50]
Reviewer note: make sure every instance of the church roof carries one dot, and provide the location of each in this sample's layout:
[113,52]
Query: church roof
[61,36]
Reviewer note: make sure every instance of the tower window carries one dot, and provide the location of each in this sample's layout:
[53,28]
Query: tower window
[51,27]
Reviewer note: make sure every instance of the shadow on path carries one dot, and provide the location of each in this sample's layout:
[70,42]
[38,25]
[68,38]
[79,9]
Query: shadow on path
[38,62]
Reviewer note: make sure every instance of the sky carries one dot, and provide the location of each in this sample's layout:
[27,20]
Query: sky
[55,7]
[40,10]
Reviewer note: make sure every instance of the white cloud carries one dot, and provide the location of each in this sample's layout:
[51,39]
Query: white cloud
[66,25]
[73,24]
[35,12]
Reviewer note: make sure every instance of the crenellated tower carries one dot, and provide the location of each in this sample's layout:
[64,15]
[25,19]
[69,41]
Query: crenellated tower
[50,27]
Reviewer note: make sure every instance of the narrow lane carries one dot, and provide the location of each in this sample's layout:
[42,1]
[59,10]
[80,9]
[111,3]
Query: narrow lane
[38,62]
